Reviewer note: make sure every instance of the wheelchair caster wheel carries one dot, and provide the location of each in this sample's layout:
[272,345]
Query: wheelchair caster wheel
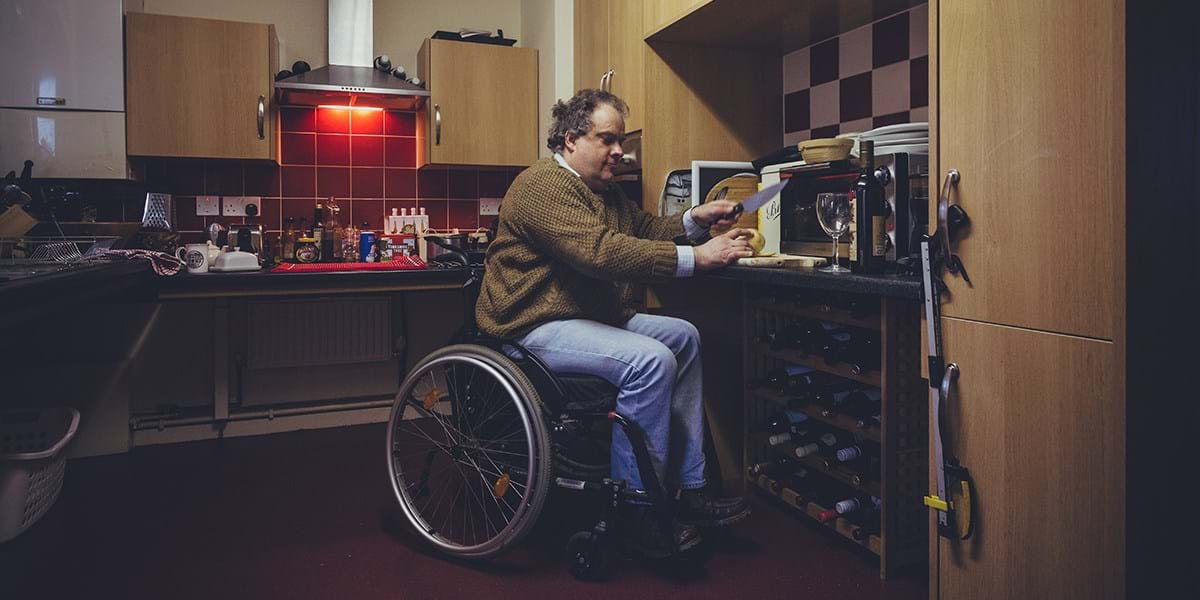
[591,559]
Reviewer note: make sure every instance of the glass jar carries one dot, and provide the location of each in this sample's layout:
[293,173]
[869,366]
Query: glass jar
[307,250]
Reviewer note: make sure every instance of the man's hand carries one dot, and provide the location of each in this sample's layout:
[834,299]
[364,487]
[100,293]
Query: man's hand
[724,249]
[714,213]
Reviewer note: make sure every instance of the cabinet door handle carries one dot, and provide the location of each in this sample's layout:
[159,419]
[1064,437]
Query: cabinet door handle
[437,125]
[262,117]
[611,74]
[950,218]
[603,79]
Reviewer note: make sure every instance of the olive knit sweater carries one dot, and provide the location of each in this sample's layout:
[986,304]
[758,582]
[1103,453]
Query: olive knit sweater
[564,252]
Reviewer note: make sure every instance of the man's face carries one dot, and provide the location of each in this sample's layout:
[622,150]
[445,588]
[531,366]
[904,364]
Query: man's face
[594,155]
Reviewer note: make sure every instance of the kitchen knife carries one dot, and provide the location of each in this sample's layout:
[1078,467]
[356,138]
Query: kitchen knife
[757,199]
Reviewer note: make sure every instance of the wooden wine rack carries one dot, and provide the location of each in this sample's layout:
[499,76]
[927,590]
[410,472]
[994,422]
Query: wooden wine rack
[901,435]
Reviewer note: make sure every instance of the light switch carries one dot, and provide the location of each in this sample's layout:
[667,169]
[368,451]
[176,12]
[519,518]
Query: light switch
[489,206]
[208,206]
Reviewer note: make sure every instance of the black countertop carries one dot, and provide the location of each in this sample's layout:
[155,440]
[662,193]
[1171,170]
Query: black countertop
[265,283]
[28,298]
[907,287]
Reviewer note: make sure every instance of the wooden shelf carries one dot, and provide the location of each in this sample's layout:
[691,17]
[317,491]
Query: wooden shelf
[777,26]
[816,362]
[843,422]
[811,510]
[822,313]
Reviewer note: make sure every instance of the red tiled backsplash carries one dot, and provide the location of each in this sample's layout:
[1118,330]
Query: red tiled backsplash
[365,159]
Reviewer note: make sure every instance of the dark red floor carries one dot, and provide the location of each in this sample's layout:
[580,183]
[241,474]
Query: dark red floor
[311,515]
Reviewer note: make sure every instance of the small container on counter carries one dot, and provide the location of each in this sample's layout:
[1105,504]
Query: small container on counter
[366,244]
[307,250]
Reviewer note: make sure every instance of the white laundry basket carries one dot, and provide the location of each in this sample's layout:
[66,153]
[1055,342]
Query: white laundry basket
[32,462]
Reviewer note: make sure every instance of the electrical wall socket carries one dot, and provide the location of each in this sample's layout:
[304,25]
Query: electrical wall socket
[241,206]
[489,206]
[208,206]
[233,206]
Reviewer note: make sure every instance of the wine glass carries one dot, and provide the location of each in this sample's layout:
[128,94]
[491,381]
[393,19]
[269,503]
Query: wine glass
[833,212]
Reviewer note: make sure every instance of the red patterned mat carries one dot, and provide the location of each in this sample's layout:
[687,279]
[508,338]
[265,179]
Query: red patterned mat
[403,263]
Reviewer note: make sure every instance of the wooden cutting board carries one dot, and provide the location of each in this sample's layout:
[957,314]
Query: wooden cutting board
[739,188]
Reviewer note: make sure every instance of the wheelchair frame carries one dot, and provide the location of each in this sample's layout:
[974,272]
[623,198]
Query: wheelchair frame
[589,550]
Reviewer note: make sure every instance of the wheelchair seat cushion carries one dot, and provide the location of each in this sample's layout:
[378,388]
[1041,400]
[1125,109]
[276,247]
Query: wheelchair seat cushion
[587,393]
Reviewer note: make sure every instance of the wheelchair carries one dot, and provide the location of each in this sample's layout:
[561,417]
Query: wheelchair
[480,432]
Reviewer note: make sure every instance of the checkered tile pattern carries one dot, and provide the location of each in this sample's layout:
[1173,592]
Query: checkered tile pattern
[865,78]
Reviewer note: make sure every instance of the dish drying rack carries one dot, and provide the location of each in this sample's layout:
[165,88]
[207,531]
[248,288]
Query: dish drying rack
[61,250]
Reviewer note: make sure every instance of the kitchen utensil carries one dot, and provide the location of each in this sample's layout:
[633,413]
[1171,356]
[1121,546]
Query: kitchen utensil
[159,213]
[234,260]
[833,212]
[756,200]
[825,149]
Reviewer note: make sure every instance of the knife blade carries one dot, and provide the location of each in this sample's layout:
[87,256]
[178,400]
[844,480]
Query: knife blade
[757,199]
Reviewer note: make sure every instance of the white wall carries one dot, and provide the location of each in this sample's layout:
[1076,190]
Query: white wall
[400,25]
[548,25]
[300,24]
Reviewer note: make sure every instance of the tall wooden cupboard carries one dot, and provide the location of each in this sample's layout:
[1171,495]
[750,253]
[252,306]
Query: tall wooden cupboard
[1027,104]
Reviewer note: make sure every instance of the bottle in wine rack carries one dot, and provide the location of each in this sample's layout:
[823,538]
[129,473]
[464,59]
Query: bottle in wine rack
[861,403]
[785,425]
[835,343]
[870,421]
[822,443]
[869,523]
[792,380]
[863,353]
[849,506]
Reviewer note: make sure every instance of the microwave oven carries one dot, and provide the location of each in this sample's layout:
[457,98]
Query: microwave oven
[789,221]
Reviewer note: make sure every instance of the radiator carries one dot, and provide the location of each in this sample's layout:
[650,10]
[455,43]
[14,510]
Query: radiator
[300,333]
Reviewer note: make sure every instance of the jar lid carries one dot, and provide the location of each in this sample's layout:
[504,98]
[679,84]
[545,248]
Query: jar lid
[306,239]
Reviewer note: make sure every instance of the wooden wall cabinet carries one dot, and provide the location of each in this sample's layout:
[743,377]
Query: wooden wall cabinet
[200,87]
[609,52]
[482,105]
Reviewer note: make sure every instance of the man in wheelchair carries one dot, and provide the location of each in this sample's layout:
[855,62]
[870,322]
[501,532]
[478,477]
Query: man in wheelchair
[557,281]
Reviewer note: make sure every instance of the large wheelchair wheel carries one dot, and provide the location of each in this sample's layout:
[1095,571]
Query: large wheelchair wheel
[468,451]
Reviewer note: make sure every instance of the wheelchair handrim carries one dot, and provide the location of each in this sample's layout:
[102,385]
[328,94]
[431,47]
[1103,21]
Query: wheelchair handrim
[408,504]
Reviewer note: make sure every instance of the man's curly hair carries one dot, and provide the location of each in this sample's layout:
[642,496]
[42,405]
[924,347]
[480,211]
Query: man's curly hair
[575,115]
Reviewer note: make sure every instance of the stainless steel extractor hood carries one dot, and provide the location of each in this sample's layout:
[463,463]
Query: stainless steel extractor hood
[350,80]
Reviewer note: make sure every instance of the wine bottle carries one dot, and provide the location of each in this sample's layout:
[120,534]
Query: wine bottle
[869,522]
[863,353]
[870,220]
[792,379]
[318,232]
[835,344]
[861,403]
[848,506]
[784,425]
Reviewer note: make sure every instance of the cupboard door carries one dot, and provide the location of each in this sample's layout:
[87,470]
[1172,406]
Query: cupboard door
[1030,109]
[591,43]
[1038,418]
[196,87]
[485,98]
[625,55]
[67,50]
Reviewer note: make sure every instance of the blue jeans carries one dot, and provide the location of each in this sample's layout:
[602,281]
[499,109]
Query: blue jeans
[655,362]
